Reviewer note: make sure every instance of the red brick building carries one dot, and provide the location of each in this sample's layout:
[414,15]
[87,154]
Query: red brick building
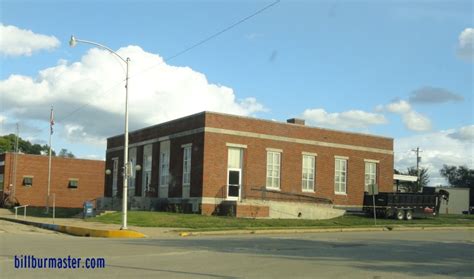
[73,181]
[262,168]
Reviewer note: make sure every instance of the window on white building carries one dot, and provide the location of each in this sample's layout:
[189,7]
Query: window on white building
[340,176]
[309,163]
[273,169]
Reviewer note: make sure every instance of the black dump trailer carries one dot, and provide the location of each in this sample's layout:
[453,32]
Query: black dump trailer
[405,205]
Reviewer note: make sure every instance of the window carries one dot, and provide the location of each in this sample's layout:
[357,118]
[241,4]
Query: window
[28,181]
[234,172]
[73,183]
[340,175]
[132,158]
[187,165]
[1,182]
[273,169]
[370,174]
[164,168]
[307,182]
[147,162]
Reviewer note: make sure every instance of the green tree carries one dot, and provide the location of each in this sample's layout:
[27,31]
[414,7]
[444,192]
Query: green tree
[66,153]
[7,144]
[413,187]
[461,176]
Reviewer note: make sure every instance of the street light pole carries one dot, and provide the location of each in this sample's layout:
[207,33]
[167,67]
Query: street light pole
[126,166]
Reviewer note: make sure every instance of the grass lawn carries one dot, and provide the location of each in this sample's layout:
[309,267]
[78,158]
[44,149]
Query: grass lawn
[200,222]
[41,212]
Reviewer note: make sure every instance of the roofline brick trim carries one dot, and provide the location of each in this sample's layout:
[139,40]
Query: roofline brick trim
[258,136]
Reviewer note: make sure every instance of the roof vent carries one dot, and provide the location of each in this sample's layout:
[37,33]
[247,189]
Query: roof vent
[295,121]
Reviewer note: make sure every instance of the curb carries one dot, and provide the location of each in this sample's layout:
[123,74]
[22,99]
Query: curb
[289,231]
[79,231]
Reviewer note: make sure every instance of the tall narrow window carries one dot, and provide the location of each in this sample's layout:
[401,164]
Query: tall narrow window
[114,176]
[147,163]
[307,182]
[187,165]
[132,157]
[234,173]
[370,174]
[340,176]
[273,169]
[164,169]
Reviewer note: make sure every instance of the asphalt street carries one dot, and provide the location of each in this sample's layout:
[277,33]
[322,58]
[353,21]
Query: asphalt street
[390,254]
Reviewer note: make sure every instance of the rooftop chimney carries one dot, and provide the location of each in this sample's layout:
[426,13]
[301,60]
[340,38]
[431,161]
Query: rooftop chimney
[295,121]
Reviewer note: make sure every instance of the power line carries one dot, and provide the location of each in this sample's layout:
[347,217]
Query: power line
[201,42]
[212,36]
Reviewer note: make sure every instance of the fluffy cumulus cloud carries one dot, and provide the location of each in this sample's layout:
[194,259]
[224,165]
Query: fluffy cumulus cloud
[89,95]
[466,45]
[352,119]
[413,120]
[438,148]
[16,42]
[433,95]
[465,133]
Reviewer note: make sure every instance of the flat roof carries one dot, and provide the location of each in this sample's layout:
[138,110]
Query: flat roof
[252,118]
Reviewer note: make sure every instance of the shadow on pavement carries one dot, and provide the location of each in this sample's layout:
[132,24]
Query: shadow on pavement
[410,257]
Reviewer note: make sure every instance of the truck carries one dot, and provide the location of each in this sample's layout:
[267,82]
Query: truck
[405,206]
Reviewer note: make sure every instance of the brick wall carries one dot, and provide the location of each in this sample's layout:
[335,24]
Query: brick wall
[209,156]
[254,160]
[90,175]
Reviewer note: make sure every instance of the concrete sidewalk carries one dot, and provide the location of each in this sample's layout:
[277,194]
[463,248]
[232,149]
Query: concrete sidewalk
[80,227]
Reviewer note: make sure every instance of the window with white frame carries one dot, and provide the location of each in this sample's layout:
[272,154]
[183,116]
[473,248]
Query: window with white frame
[309,163]
[147,165]
[370,174]
[340,175]
[164,165]
[273,169]
[187,165]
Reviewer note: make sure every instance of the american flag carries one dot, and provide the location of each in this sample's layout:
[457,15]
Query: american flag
[51,120]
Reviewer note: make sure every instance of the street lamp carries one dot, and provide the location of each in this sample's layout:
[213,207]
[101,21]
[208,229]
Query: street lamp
[126,169]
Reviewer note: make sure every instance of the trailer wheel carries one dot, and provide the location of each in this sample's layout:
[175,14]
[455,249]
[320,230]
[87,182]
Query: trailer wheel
[400,214]
[409,215]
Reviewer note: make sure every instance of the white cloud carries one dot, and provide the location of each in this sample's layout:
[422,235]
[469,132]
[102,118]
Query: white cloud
[466,45]
[96,85]
[400,106]
[15,41]
[413,120]
[465,133]
[348,119]
[438,148]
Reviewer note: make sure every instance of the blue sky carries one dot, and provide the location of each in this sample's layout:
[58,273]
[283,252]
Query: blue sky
[400,69]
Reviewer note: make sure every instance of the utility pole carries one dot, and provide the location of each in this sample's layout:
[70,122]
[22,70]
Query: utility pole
[51,123]
[418,160]
[14,163]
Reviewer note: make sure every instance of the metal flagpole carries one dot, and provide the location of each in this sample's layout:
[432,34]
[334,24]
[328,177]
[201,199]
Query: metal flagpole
[51,123]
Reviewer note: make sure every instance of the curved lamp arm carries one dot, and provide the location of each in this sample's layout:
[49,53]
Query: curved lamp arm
[73,42]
